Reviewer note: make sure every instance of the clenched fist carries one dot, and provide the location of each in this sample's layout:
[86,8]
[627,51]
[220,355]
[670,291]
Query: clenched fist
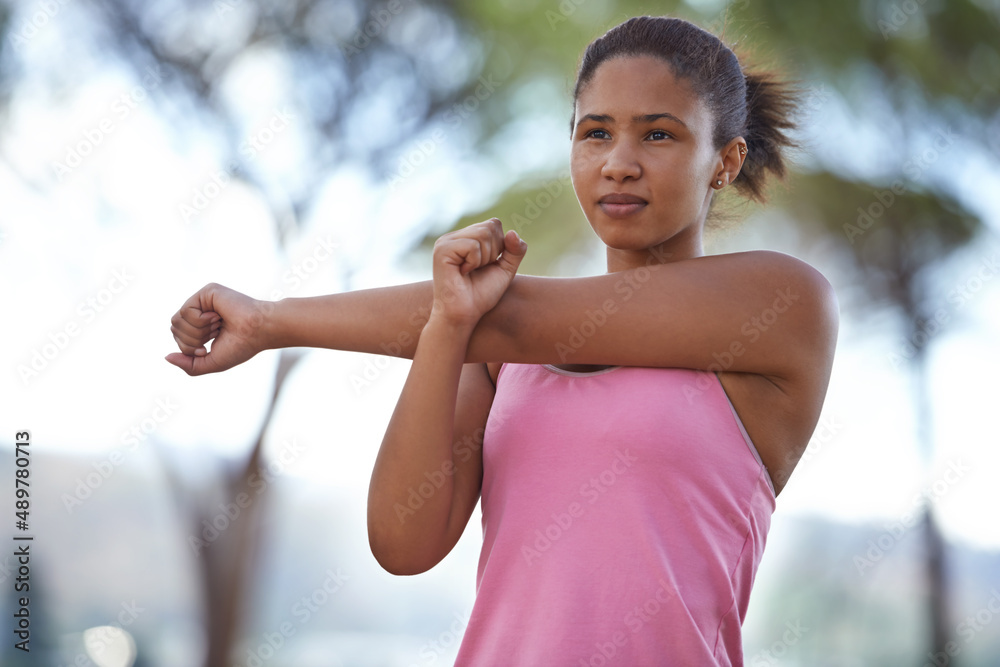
[473,267]
[233,320]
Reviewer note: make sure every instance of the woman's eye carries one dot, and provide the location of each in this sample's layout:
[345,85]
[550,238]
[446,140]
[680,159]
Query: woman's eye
[658,134]
[598,134]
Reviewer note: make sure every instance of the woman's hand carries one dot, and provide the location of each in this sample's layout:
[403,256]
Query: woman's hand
[232,319]
[472,269]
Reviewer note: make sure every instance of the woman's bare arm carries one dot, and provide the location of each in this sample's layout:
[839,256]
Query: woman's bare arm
[411,534]
[420,496]
[381,320]
[760,312]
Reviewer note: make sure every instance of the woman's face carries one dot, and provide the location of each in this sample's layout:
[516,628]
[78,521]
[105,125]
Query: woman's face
[642,161]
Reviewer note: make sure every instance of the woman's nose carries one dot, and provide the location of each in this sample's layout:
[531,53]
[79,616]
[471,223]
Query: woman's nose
[622,162]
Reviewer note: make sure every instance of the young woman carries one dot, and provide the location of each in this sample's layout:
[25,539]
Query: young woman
[628,433]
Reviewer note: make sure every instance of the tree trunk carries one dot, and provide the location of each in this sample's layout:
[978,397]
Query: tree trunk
[934,545]
[226,542]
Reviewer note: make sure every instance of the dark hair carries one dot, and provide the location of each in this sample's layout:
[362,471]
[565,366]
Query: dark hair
[754,105]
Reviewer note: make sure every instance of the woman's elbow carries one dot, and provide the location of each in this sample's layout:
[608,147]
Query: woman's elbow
[397,557]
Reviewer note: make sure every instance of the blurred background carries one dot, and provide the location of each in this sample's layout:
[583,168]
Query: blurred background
[299,147]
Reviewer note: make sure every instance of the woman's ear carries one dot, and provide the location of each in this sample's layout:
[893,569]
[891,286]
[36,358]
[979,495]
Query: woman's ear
[731,159]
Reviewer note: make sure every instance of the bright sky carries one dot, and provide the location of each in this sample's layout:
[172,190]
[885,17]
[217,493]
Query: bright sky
[96,281]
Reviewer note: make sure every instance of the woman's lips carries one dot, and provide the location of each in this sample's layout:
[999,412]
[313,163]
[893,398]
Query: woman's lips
[621,205]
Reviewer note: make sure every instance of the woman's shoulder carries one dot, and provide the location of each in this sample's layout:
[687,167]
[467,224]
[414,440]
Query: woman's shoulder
[782,288]
[771,261]
[793,279]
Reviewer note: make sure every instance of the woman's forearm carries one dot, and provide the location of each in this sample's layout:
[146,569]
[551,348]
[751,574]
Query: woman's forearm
[382,320]
[418,439]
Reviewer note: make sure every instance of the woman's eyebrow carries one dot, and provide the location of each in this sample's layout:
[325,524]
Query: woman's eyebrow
[642,118]
[653,117]
[596,117]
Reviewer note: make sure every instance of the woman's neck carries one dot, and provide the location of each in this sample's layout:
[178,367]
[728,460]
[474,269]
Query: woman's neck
[679,247]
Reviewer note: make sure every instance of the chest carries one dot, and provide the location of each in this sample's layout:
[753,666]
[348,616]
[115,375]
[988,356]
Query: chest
[673,424]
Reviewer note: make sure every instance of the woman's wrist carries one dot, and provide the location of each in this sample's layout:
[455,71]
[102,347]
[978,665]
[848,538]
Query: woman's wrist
[269,334]
[458,327]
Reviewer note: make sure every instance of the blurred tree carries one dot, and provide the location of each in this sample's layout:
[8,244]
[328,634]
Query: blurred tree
[896,243]
[926,76]
[228,554]
[359,78]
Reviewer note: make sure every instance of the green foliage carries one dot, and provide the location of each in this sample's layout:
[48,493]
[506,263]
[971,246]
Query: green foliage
[545,212]
[890,234]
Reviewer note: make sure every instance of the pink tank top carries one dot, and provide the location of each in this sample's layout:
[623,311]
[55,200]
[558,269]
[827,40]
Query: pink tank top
[624,515]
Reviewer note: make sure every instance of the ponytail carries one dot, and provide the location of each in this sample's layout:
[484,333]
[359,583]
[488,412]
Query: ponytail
[770,105]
